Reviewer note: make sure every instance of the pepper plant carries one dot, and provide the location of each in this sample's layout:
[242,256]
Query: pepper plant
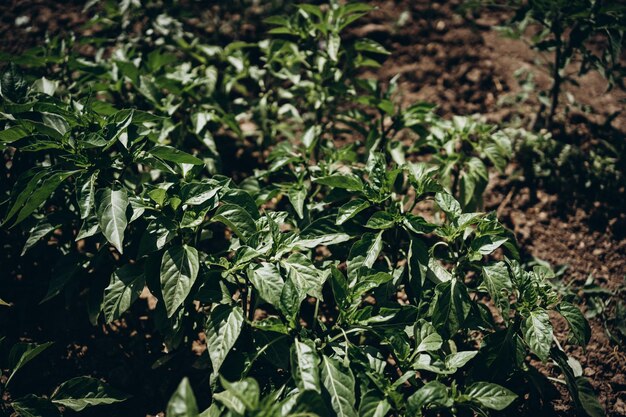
[339,276]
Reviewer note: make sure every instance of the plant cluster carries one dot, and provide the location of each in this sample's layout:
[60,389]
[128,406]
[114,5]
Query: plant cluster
[588,33]
[327,241]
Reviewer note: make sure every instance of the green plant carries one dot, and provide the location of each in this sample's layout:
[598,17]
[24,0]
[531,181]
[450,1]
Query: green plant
[75,394]
[339,275]
[586,30]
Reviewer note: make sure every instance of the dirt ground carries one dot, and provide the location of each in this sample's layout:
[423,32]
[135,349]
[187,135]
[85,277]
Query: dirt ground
[465,67]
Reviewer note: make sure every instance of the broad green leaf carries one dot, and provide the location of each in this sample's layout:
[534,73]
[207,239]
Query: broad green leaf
[111,208]
[490,395]
[22,353]
[368,45]
[158,233]
[434,393]
[426,337]
[222,330]
[497,282]
[179,270]
[125,287]
[267,281]
[351,209]
[418,265]
[537,331]
[168,153]
[239,396]
[417,224]
[339,382]
[588,399]
[348,182]
[373,404]
[579,327]
[183,402]
[290,299]
[334,41]
[85,193]
[364,253]
[13,134]
[42,229]
[459,359]
[307,278]
[305,365]
[82,392]
[38,193]
[322,231]
[381,220]
[448,204]
[12,85]
[237,219]
[451,308]
[33,406]
[297,197]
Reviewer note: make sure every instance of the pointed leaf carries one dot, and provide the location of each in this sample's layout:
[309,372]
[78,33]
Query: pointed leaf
[111,208]
[179,270]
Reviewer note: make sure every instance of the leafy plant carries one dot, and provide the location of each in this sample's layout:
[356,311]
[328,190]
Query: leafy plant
[571,31]
[338,275]
[75,394]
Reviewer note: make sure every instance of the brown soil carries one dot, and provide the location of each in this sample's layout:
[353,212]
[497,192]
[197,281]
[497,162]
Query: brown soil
[465,67]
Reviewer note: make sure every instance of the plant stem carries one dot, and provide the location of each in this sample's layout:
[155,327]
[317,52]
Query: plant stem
[556,75]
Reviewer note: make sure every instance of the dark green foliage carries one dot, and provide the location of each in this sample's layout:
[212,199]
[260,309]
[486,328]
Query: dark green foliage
[351,272]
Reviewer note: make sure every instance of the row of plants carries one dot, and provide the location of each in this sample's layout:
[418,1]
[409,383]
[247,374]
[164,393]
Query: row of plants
[328,242]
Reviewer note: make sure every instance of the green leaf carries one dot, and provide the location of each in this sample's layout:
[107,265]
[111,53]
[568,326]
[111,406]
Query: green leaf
[158,233]
[85,194]
[588,400]
[368,45]
[497,282]
[27,352]
[339,381]
[305,365]
[579,326]
[183,402]
[222,330]
[111,208]
[451,308]
[537,331]
[417,224]
[33,406]
[36,192]
[240,396]
[432,393]
[426,337]
[12,85]
[42,229]
[13,134]
[267,281]
[179,270]
[297,197]
[237,219]
[448,204]
[459,359]
[334,41]
[168,153]
[490,395]
[306,278]
[364,253]
[351,209]
[381,220]
[347,182]
[373,404]
[82,392]
[125,287]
